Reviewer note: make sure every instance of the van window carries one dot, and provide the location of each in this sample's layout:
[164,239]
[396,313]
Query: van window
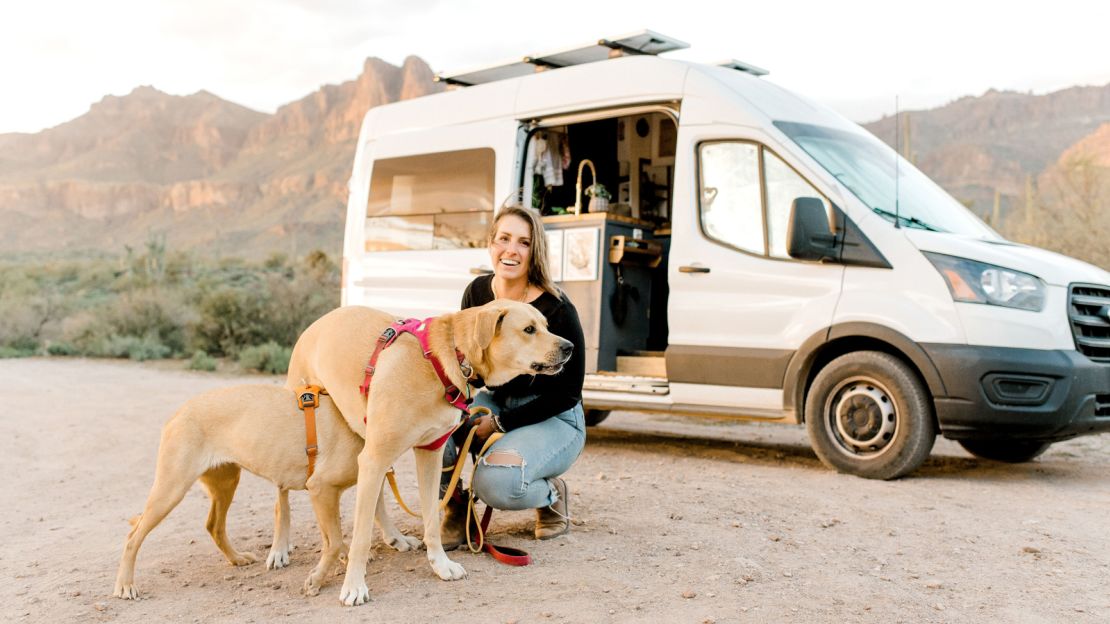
[737,179]
[784,185]
[731,206]
[428,201]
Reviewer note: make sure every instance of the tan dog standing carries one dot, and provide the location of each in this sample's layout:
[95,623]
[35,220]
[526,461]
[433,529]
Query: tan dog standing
[406,406]
[260,428]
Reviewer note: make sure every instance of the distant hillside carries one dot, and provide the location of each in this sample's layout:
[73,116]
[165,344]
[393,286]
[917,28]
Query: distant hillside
[205,172]
[210,174]
[977,145]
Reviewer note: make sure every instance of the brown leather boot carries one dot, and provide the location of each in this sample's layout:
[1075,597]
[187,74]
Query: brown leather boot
[453,530]
[554,520]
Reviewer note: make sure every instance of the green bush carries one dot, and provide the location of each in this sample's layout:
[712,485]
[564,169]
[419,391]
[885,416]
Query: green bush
[133,347]
[201,361]
[62,348]
[12,352]
[149,313]
[269,358]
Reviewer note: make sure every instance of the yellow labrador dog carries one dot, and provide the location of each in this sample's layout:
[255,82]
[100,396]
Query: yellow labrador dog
[406,406]
[259,428]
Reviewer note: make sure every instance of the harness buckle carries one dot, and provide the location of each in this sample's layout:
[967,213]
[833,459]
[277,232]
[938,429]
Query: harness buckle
[307,398]
[387,335]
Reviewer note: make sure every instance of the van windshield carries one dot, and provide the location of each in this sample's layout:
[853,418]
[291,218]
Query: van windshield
[865,165]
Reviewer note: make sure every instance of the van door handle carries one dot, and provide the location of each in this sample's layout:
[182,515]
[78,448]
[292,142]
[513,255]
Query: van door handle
[480,270]
[693,269]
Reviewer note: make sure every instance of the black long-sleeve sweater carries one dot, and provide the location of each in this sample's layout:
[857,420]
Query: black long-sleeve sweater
[554,393]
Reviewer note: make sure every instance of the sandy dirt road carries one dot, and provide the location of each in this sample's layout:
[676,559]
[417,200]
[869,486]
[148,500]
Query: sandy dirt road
[680,521]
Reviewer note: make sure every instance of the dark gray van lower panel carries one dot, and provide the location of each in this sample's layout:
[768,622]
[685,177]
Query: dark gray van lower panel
[727,366]
[998,392]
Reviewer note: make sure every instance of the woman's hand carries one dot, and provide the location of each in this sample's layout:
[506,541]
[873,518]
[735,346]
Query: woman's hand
[483,427]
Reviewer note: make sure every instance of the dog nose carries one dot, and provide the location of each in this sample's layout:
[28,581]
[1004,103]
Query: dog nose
[566,349]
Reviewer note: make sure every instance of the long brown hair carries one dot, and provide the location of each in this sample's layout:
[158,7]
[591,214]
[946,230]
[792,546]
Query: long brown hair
[539,273]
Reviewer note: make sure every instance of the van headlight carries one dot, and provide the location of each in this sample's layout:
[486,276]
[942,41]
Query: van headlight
[978,282]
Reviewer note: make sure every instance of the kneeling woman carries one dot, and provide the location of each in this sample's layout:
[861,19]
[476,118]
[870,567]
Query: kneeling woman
[540,415]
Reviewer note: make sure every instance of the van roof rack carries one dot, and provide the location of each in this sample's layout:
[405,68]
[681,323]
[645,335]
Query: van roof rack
[641,42]
[742,66]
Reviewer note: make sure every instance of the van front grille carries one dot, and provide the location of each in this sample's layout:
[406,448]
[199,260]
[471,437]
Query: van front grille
[1089,313]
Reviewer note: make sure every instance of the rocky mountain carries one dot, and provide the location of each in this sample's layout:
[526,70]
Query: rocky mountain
[210,174]
[998,141]
[205,172]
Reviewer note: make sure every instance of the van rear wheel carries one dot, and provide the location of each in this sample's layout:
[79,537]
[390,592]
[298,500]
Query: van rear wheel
[594,417]
[1006,450]
[869,415]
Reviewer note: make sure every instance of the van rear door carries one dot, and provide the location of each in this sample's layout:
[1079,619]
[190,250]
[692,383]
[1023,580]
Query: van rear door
[739,306]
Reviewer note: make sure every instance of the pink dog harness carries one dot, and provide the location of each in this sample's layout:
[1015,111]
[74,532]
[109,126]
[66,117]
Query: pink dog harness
[452,394]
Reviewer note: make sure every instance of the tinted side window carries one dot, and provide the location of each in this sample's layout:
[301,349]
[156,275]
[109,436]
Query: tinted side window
[430,201]
[730,198]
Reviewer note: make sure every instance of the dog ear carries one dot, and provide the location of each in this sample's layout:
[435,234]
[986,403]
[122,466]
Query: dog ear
[487,326]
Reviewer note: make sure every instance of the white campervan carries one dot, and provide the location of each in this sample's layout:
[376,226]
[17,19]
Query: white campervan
[736,250]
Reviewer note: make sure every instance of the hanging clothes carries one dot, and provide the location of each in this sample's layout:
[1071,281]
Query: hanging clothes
[549,153]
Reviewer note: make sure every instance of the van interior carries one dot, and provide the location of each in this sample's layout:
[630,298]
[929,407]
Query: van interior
[624,166]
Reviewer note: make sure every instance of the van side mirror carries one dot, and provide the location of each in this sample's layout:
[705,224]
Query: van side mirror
[809,236]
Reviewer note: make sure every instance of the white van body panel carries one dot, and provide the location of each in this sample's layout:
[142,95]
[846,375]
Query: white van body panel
[625,81]
[429,282]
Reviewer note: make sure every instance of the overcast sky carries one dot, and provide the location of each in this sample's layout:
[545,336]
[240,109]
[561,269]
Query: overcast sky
[58,57]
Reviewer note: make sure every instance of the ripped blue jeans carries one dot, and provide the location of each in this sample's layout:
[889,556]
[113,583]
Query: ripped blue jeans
[546,449]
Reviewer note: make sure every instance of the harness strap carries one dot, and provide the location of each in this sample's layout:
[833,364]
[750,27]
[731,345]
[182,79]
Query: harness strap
[420,329]
[308,399]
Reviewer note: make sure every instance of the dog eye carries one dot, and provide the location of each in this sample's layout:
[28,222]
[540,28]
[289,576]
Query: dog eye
[531,329]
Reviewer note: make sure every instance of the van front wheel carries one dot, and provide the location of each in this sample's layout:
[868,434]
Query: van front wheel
[869,415]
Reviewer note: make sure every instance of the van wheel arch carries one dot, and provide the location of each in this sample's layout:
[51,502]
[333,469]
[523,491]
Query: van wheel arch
[833,342]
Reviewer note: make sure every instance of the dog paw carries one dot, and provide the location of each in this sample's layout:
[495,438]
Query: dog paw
[311,586]
[242,559]
[449,570]
[126,591]
[277,559]
[354,594]
[405,543]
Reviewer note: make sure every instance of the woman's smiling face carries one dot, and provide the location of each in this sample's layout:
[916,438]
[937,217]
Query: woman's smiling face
[510,251]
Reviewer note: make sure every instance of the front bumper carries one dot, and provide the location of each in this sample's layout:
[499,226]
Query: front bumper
[1030,394]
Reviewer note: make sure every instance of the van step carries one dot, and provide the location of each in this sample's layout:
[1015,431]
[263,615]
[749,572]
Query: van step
[646,366]
[615,382]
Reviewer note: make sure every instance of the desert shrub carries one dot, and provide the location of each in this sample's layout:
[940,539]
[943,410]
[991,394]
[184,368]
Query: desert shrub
[268,358]
[149,313]
[229,319]
[138,348]
[202,361]
[62,348]
[12,352]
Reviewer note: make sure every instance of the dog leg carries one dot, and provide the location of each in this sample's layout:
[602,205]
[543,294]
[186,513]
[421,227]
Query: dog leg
[172,479]
[325,503]
[368,490]
[220,482]
[390,533]
[280,548]
[428,469]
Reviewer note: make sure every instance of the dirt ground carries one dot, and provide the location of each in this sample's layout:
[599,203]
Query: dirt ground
[678,521]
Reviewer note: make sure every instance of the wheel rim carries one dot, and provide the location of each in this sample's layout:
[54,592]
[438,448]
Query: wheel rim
[861,417]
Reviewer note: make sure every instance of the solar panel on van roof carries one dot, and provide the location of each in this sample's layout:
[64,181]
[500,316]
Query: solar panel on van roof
[642,42]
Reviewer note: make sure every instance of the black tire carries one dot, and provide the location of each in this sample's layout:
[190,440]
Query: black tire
[1006,450]
[868,414]
[594,417]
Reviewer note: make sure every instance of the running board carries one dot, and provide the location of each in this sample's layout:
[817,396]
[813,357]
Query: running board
[635,384]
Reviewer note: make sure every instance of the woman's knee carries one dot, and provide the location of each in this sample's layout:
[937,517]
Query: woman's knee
[499,480]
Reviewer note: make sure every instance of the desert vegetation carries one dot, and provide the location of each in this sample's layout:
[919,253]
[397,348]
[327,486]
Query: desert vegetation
[153,303]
